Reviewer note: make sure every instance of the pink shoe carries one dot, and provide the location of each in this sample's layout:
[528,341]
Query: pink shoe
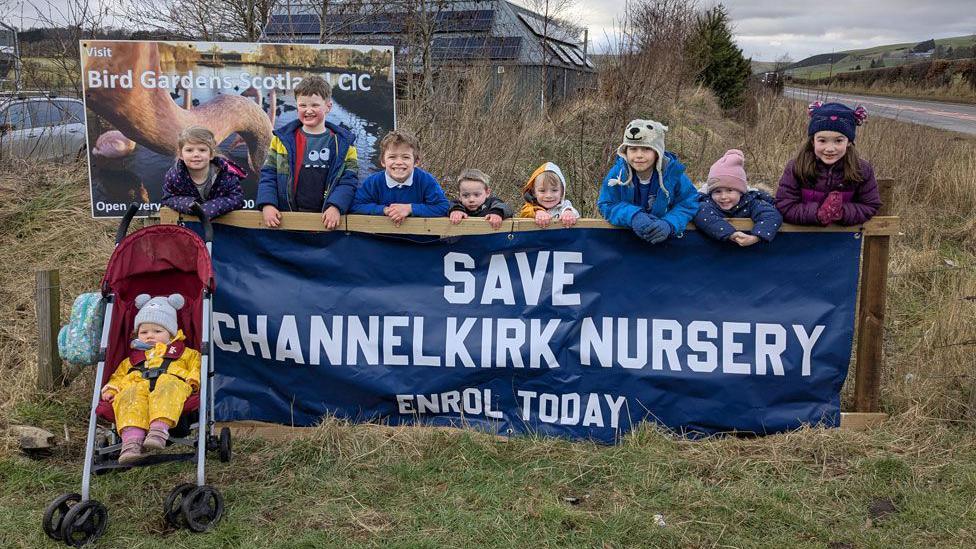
[131,452]
[156,439]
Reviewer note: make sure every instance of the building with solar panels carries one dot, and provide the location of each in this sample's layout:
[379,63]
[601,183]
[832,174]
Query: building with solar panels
[520,46]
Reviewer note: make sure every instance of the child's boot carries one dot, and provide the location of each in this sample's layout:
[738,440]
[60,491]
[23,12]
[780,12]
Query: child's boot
[132,438]
[158,435]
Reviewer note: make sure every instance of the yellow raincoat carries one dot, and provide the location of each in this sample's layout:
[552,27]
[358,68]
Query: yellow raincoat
[134,404]
[532,206]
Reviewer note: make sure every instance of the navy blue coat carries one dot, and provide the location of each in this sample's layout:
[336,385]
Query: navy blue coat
[756,205]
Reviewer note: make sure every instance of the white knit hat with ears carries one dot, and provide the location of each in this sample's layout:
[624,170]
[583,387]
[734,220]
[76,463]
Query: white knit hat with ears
[645,133]
[159,310]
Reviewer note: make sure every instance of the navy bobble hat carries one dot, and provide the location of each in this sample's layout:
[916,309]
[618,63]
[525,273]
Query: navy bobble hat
[835,117]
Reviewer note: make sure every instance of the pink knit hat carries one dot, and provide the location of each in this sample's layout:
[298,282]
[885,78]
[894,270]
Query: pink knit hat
[728,172]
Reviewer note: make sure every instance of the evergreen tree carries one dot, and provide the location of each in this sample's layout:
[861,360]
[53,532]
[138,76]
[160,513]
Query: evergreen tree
[925,46]
[723,68]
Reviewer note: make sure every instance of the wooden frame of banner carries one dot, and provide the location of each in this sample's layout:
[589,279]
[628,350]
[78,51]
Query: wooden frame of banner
[441,226]
[872,287]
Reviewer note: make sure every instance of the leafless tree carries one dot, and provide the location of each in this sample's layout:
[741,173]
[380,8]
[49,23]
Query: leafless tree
[209,20]
[554,14]
[70,22]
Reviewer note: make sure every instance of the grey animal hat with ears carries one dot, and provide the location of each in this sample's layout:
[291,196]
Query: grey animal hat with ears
[645,133]
[159,310]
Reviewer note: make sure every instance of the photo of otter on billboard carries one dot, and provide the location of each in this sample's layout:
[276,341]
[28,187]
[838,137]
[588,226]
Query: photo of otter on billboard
[140,95]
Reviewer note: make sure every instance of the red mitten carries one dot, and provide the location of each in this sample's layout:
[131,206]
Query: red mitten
[830,210]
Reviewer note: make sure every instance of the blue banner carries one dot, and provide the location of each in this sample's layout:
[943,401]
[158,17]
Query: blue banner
[583,333]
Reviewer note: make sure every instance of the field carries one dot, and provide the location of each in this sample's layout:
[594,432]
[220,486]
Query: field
[891,54]
[908,483]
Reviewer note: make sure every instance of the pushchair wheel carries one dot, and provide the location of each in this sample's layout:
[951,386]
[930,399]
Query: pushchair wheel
[84,523]
[55,512]
[171,507]
[202,508]
[224,448]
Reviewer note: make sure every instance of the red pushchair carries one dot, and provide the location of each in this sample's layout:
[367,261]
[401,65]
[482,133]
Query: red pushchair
[155,260]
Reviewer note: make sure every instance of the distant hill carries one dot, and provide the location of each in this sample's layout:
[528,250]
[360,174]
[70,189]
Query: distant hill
[759,67]
[891,55]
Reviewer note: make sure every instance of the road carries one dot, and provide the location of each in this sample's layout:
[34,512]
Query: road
[957,117]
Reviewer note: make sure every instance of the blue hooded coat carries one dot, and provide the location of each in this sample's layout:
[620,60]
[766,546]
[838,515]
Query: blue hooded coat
[675,200]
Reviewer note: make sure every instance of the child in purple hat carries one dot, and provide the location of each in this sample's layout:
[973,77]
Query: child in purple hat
[726,194]
[827,182]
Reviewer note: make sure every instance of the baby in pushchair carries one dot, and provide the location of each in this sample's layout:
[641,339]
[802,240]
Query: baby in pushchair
[163,389]
[149,387]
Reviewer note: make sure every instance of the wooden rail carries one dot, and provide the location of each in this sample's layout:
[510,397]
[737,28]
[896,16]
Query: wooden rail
[441,226]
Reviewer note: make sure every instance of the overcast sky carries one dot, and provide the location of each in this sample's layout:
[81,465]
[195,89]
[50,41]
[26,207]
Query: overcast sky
[767,29]
[764,29]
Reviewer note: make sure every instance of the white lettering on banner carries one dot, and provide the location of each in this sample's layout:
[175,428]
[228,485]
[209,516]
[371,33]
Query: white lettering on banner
[321,337]
[259,336]
[455,342]
[703,337]
[666,345]
[465,402]
[224,318]
[498,286]
[418,347]
[570,409]
[289,347]
[807,341]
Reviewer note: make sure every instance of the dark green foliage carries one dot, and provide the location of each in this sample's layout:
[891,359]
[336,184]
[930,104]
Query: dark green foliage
[723,68]
[925,46]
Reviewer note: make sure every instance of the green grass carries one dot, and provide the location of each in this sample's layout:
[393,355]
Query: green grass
[864,56]
[362,486]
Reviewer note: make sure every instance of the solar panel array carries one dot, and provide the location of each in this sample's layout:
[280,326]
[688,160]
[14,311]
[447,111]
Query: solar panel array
[560,44]
[570,55]
[477,47]
[548,30]
[292,24]
[378,23]
[465,21]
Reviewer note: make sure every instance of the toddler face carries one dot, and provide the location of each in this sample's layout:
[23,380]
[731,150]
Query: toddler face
[398,161]
[642,159]
[312,109]
[829,146]
[726,198]
[196,156]
[547,193]
[153,334]
[472,194]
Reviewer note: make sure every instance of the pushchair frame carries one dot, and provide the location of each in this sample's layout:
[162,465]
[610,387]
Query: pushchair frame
[76,519]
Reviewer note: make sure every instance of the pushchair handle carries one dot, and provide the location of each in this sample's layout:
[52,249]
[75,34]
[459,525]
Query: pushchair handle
[126,219]
[197,210]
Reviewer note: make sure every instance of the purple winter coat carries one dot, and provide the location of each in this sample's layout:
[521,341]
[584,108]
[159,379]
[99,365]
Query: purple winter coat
[799,204]
[225,195]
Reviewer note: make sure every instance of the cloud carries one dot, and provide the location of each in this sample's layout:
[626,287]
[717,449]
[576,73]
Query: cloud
[766,30]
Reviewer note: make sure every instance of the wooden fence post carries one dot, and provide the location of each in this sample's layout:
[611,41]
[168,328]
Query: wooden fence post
[47,304]
[870,312]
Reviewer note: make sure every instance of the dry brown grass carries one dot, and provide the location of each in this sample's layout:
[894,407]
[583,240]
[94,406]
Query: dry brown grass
[45,223]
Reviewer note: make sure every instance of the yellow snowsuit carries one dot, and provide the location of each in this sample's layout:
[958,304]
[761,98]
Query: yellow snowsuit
[135,405]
